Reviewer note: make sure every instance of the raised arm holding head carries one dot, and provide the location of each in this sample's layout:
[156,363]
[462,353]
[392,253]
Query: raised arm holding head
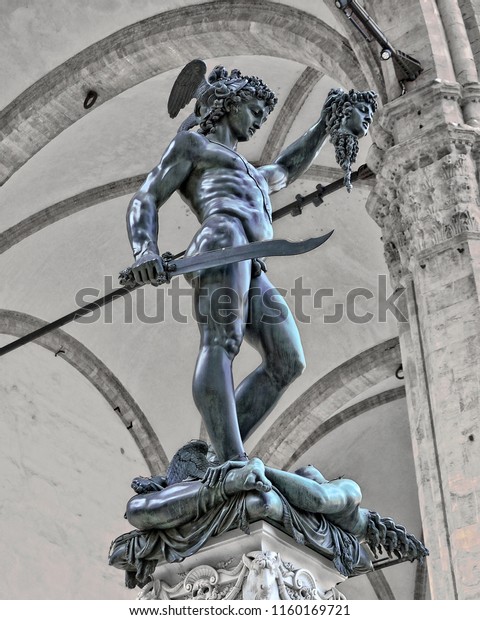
[297,157]
[346,117]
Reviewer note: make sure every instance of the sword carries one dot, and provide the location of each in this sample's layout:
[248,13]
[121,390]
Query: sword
[177,266]
[226,256]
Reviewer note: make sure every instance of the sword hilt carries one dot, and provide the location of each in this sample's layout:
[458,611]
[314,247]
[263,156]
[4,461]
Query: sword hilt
[126,277]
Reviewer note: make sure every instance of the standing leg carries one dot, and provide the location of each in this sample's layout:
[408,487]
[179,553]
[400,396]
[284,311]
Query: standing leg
[220,306]
[271,329]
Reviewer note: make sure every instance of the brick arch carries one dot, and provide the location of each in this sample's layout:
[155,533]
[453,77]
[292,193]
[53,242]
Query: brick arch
[285,441]
[161,43]
[100,376]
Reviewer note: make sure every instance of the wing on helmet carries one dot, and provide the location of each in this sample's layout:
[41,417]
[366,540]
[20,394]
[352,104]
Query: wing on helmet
[190,83]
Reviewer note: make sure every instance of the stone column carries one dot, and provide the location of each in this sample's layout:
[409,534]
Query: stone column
[426,201]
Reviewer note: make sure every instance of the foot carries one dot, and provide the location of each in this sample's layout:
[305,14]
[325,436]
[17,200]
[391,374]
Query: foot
[216,474]
[250,477]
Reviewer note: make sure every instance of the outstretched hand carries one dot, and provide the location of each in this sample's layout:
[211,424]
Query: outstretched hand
[143,485]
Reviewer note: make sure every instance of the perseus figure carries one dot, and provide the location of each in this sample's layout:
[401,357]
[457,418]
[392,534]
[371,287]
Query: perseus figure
[230,198]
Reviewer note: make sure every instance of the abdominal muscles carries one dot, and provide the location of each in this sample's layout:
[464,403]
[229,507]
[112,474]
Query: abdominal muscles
[233,193]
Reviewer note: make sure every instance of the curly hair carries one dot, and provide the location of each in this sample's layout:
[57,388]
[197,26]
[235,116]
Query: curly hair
[338,107]
[385,534]
[227,92]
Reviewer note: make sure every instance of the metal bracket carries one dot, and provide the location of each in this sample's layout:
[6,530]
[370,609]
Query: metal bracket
[318,199]
[407,68]
[299,208]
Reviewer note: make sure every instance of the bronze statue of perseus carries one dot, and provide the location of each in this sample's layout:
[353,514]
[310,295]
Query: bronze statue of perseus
[206,492]
[230,198]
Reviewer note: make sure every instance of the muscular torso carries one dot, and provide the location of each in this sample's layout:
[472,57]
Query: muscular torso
[224,183]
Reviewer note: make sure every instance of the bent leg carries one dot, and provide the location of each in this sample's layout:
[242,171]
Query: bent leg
[271,329]
[337,497]
[338,500]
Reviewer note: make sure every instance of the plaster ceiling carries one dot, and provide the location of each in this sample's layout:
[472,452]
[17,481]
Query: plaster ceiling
[56,420]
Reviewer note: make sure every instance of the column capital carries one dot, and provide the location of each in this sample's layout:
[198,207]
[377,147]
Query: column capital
[471,103]
[422,109]
[426,192]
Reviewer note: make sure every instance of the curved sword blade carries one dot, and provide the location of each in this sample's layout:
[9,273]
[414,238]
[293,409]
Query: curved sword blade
[277,247]
[258,249]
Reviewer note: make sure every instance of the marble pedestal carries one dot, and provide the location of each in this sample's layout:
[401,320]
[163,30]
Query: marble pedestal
[267,565]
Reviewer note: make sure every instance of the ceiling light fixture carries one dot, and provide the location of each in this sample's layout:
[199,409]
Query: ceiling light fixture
[386,53]
[407,68]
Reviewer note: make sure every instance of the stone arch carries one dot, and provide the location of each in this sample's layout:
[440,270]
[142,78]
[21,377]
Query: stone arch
[324,399]
[288,112]
[344,416]
[64,208]
[100,376]
[114,189]
[163,42]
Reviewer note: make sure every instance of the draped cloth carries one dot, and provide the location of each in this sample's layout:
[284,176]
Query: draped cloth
[314,530]
[142,549]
